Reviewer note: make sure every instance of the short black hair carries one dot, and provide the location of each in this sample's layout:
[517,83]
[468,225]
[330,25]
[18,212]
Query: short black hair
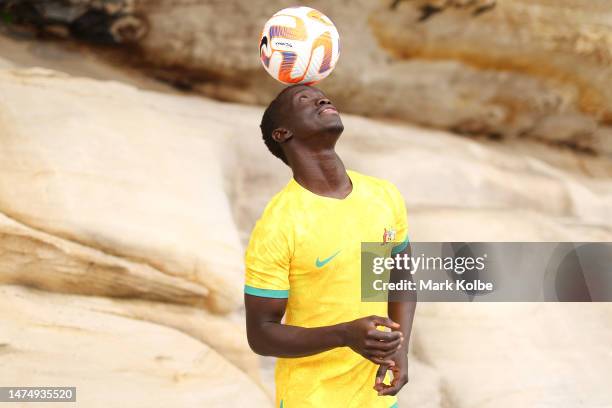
[270,121]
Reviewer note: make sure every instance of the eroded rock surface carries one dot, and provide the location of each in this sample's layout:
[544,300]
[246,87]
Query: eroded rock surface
[114,192]
[112,359]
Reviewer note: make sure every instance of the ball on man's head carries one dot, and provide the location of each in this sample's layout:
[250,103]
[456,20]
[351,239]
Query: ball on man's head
[299,45]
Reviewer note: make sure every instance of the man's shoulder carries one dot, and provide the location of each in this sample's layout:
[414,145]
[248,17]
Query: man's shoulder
[280,205]
[276,219]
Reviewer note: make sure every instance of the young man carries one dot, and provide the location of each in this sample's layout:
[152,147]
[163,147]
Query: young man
[303,259]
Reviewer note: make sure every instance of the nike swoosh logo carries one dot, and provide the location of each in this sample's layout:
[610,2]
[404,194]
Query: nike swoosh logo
[322,263]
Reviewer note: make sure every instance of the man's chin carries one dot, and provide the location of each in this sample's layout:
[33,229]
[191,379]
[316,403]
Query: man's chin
[335,127]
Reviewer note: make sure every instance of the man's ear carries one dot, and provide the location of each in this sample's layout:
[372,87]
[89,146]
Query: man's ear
[281,135]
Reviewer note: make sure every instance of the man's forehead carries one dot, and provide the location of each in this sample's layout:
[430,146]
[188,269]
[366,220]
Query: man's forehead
[294,89]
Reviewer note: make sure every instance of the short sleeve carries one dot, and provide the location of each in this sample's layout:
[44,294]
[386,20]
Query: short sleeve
[401,220]
[267,259]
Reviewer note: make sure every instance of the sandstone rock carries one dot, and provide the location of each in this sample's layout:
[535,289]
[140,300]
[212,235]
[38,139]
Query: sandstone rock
[515,68]
[33,258]
[226,335]
[107,190]
[425,388]
[131,174]
[518,354]
[106,21]
[38,259]
[5,64]
[546,65]
[71,58]
[67,340]
[465,225]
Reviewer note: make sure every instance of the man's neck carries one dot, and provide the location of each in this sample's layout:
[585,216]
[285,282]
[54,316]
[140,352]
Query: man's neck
[322,173]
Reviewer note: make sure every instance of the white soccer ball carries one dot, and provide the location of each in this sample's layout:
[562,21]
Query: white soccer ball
[299,45]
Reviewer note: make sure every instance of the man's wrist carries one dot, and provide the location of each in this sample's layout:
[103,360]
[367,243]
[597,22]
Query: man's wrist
[341,332]
[406,342]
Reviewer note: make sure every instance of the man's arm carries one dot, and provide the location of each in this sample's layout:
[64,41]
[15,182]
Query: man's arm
[268,336]
[400,310]
[403,313]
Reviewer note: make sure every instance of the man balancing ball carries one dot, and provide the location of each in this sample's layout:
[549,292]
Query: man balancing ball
[303,259]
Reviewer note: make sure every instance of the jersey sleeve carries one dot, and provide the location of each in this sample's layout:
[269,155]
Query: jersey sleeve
[267,259]
[401,220]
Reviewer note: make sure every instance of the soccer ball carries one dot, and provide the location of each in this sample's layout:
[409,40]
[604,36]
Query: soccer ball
[299,45]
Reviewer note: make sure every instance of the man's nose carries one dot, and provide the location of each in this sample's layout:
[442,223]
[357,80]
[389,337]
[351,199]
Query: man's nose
[323,101]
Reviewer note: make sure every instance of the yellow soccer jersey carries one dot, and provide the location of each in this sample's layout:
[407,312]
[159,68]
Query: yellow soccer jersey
[307,248]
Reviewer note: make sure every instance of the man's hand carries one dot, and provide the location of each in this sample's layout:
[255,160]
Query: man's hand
[400,374]
[377,346]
